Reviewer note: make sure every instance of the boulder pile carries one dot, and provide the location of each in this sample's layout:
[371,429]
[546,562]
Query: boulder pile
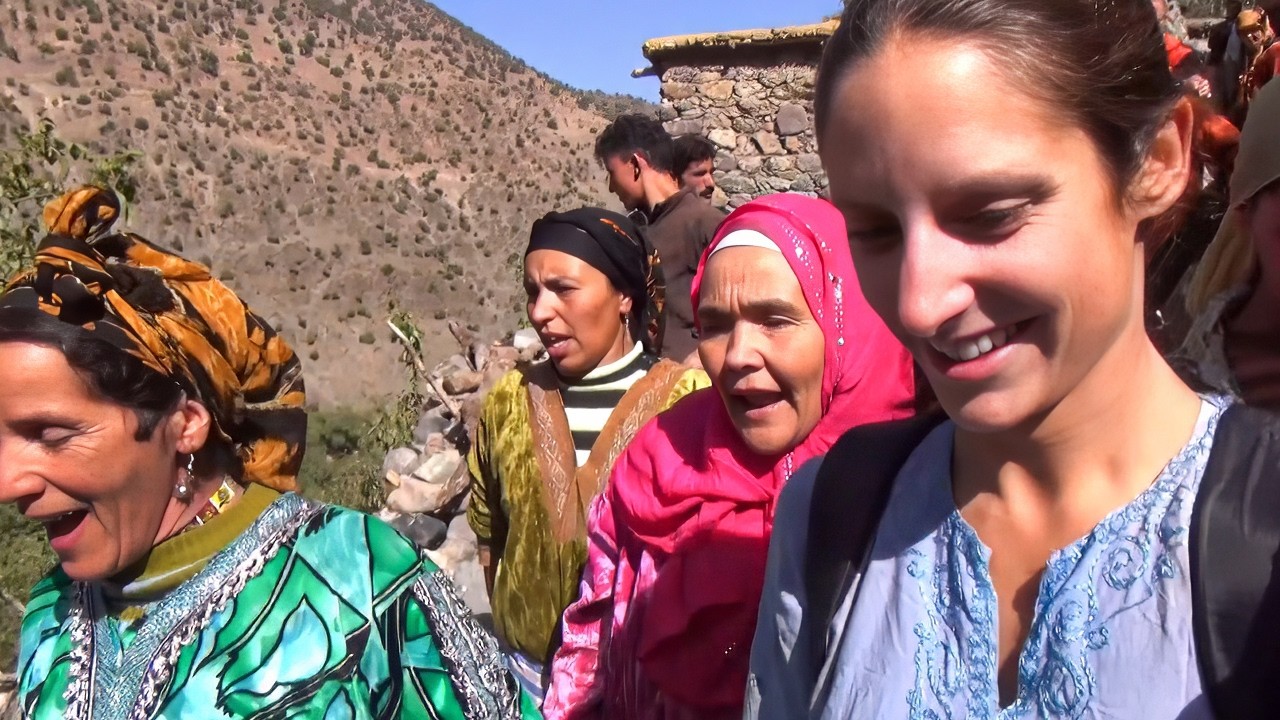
[426,482]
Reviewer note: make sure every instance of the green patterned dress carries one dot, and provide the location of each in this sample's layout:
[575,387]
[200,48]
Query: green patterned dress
[309,611]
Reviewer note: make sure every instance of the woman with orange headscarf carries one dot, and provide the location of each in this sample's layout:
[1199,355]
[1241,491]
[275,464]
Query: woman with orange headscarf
[154,425]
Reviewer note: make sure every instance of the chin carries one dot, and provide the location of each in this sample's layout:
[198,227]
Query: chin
[990,412]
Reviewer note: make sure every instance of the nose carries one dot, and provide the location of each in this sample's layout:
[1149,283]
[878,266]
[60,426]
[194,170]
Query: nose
[744,352]
[16,477]
[932,279]
[541,308]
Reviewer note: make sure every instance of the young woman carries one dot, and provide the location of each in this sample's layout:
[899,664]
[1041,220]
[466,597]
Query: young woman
[549,433]
[678,541]
[1031,557]
[1234,346]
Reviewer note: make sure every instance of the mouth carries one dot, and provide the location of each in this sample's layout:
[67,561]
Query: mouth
[756,405]
[556,345]
[972,348]
[63,529]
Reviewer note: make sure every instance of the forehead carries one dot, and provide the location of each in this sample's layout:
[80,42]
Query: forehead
[544,264]
[926,113]
[36,376]
[748,273]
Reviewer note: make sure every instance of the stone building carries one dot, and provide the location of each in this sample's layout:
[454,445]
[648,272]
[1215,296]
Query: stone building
[751,93]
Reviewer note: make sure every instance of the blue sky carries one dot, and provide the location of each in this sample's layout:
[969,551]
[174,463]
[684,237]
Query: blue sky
[595,45]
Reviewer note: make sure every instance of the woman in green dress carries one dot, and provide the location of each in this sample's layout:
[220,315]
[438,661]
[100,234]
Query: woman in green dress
[155,426]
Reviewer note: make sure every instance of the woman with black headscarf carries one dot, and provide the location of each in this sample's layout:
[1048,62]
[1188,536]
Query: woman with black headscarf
[549,433]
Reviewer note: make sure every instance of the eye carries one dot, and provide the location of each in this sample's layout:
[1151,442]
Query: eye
[875,238]
[997,220]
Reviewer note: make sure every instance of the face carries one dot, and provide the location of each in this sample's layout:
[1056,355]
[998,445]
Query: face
[624,180]
[579,316]
[698,176]
[761,347]
[1003,260]
[69,460]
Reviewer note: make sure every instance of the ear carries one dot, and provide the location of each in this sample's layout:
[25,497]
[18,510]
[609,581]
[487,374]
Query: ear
[639,162]
[1167,169]
[191,424]
[624,304]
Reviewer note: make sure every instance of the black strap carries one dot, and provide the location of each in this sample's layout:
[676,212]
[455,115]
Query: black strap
[1235,583]
[849,496]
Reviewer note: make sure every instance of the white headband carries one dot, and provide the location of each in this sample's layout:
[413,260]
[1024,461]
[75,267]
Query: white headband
[746,238]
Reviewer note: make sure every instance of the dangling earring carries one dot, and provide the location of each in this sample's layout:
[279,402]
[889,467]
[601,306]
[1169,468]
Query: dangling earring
[182,490]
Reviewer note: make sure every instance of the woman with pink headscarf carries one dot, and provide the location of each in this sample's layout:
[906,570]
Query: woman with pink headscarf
[678,541]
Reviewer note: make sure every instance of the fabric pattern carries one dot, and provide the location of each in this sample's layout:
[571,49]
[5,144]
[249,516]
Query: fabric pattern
[662,627]
[313,612]
[589,402]
[172,315]
[537,574]
[1111,635]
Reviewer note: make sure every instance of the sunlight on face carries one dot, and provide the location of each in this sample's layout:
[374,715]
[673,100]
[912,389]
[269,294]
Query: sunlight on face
[761,347]
[986,231]
[578,314]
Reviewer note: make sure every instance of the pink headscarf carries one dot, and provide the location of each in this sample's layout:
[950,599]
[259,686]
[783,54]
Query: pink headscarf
[693,493]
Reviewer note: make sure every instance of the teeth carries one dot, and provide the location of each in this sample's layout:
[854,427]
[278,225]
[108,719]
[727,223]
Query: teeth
[974,349]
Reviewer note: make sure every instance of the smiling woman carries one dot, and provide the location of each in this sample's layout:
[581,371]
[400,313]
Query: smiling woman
[548,434]
[154,426]
[676,561]
[1035,554]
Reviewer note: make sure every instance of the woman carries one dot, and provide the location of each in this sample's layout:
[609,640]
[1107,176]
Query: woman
[678,540]
[1232,348]
[1032,559]
[548,434]
[155,426]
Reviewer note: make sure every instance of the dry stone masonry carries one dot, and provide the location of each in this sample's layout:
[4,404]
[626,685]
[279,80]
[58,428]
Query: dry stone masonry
[751,93]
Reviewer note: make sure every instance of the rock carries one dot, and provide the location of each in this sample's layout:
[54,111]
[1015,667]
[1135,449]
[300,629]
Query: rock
[401,461]
[751,164]
[425,531]
[720,90]
[809,162]
[430,423]
[803,183]
[525,339]
[792,120]
[684,127]
[745,125]
[734,183]
[726,161]
[776,184]
[432,486]
[461,382]
[678,91]
[723,137]
[479,354]
[504,355]
[767,142]
[779,165]
[797,144]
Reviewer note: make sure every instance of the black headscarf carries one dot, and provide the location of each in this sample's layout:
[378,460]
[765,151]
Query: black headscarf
[612,244]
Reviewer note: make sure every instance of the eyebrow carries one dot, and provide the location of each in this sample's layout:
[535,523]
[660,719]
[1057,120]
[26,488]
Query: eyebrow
[754,308]
[1032,185]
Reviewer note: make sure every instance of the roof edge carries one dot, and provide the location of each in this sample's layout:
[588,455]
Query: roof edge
[657,48]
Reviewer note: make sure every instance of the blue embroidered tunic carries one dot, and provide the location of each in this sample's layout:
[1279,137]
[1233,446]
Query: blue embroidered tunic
[1111,636]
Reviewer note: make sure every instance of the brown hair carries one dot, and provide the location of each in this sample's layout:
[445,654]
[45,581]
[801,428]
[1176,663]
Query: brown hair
[1100,63]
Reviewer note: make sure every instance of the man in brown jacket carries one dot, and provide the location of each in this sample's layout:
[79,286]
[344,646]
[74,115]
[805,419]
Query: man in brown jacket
[639,156]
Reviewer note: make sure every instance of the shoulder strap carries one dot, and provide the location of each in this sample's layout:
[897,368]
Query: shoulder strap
[849,495]
[1235,577]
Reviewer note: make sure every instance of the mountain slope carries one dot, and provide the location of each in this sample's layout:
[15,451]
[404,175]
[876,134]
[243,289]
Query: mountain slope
[328,159]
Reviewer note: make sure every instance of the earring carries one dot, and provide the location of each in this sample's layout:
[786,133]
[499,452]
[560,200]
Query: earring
[182,490]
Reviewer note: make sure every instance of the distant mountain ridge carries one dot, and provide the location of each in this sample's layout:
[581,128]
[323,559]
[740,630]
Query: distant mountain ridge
[329,159]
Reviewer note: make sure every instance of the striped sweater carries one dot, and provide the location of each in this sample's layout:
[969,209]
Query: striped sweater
[589,402]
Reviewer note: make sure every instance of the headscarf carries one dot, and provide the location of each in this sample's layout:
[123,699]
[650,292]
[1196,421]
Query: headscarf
[693,492]
[1230,259]
[174,317]
[612,244]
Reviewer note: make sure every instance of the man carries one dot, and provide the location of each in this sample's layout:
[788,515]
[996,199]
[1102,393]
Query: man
[695,160]
[639,156]
[1262,57]
[1226,56]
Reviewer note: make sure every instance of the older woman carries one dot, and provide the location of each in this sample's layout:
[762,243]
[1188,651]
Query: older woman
[1234,346]
[1035,556]
[154,426]
[548,434]
[669,597]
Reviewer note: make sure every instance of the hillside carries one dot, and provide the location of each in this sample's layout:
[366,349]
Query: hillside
[326,158]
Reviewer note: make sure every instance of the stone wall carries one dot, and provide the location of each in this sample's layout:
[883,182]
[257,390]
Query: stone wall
[759,114]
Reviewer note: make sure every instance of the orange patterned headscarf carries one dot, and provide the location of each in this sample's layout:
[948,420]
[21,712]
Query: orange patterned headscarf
[172,315]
